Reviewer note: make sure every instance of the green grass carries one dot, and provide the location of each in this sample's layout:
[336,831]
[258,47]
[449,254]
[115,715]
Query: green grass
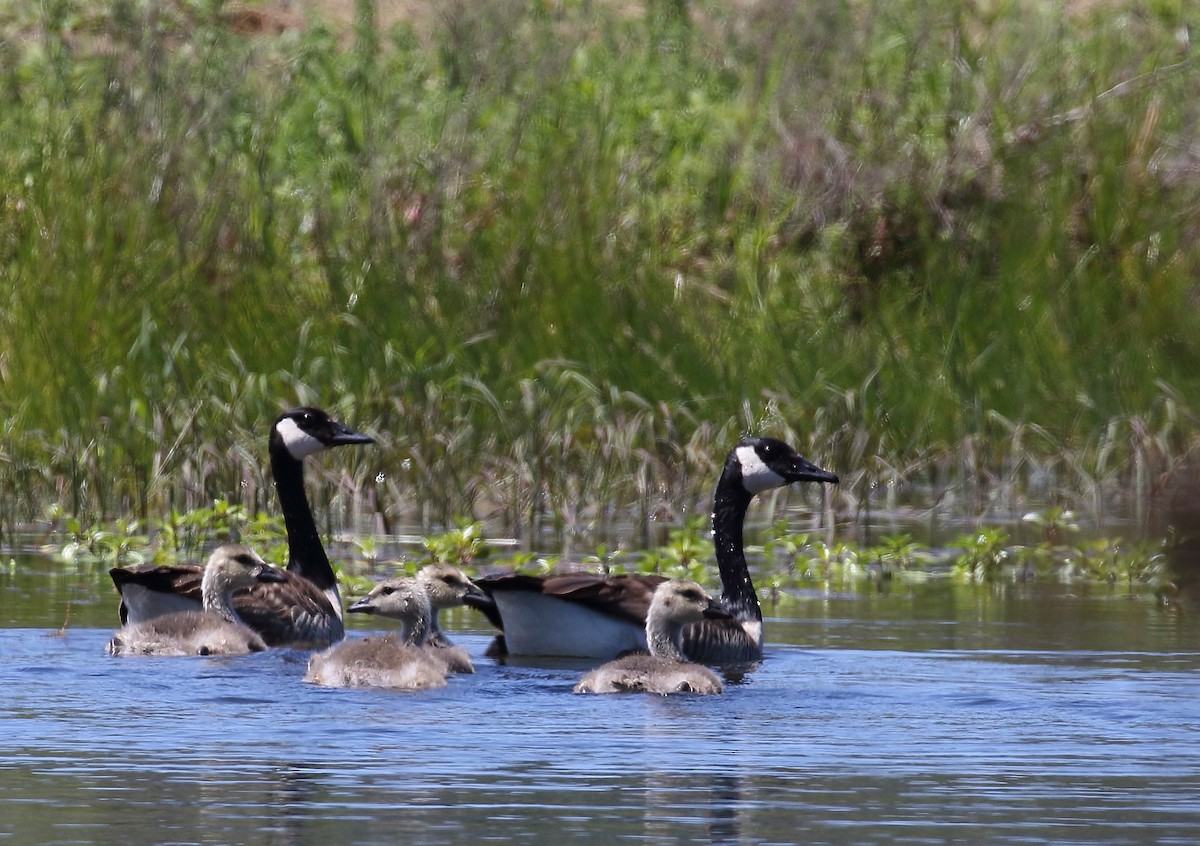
[559,261]
[785,560]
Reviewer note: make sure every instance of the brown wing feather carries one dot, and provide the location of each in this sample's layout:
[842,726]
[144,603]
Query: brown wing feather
[292,613]
[626,596]
[177,578]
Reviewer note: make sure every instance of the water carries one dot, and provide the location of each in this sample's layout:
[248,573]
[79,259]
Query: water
[920,714]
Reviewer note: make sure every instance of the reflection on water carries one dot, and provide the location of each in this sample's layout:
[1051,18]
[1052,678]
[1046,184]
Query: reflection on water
[920,715]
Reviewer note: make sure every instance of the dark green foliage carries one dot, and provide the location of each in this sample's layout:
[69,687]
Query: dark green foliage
[558,256]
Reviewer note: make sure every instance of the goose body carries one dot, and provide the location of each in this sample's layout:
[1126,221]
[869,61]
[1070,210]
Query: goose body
[215,630]
[594,616]
[665,670]
[304,610]
[579,615]
[403,661]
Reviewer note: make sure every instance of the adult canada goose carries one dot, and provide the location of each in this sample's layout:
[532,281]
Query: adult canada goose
[215,630]
[304,611]
[593,616]
[403,661]
[675,604]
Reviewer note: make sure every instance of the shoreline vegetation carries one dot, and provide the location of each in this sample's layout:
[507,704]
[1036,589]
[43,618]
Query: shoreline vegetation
[557,257]
[1053,548]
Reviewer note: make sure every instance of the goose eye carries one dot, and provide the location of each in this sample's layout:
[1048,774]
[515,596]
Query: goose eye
[388,591]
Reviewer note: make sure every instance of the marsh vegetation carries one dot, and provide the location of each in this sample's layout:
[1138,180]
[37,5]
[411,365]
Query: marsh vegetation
[558,256]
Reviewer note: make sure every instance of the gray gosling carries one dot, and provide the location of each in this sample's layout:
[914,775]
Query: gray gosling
[665,670]
[447,587]
[402,661]
[216,630]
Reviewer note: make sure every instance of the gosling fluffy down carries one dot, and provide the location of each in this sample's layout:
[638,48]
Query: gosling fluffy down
[664,671]
[403,661]
[217,630]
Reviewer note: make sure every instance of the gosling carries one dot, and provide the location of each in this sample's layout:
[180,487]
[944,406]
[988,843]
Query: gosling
[400,662]
[216,630]
[447,587]
[664,671]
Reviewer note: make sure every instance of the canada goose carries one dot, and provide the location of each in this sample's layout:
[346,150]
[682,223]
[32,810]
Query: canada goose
[593,616]
[665,670]
[217,629]
[402,661]
[304,611]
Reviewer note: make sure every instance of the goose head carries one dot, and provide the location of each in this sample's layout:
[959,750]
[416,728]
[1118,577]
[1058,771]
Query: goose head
[680,602]
[761,464]
[235,566]
[304,431]
[401,599]
[448,586]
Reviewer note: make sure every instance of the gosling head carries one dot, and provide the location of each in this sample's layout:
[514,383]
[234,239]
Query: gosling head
[238,566]
[680,602]
[305,431]
[402,599]
[761,464]
[448,586]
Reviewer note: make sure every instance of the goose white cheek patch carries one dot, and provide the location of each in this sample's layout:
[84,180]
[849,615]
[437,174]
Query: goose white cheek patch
[298,442]
[756,475]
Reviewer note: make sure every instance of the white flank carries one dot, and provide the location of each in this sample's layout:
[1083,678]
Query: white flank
[298,442]
[535,624]
[754,628]
[144,604]
[756,475]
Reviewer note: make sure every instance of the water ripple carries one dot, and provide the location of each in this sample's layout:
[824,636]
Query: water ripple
[821,745]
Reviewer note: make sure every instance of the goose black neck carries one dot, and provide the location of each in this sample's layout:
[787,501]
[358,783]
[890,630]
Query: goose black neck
[729,515]
[306,555]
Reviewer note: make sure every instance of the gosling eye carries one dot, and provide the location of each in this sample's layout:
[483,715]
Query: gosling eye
[388,591]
